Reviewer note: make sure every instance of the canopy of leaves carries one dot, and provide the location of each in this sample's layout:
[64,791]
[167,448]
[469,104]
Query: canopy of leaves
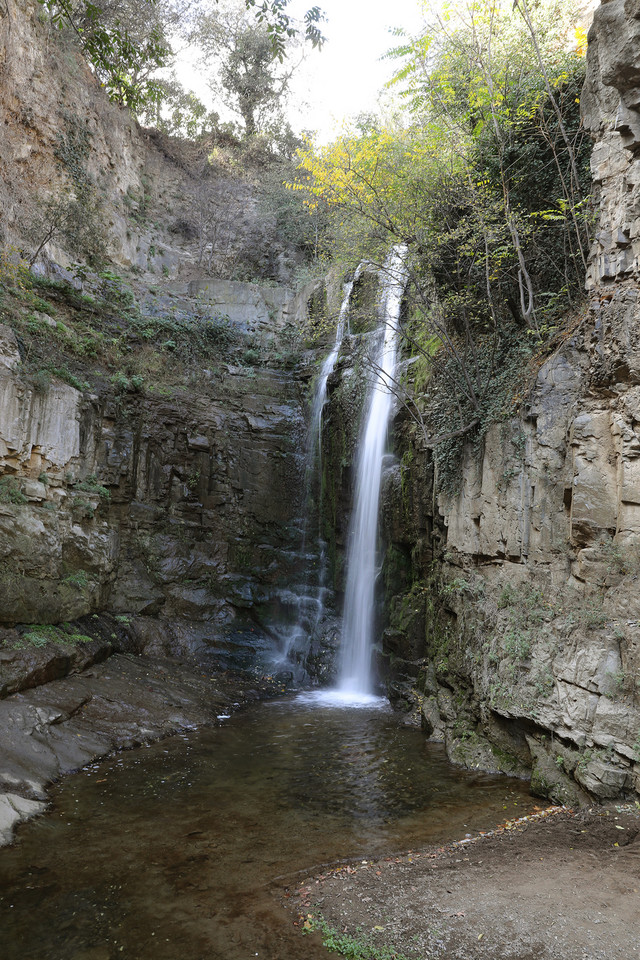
[281,27]
[179,112]
[485,175]
[245,70]
[128,43]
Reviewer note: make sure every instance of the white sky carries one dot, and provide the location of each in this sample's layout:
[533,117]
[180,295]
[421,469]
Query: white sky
[347,75]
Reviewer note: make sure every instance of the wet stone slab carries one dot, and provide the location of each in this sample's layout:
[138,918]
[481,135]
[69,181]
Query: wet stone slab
[124,702]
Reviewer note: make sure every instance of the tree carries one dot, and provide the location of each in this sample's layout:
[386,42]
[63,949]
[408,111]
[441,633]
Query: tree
[217,214]
[178,112]
[252,77]
[75,222]
[74,215]
[282,28]
[126,43]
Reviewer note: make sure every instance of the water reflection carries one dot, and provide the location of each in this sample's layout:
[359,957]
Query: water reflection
[167,853]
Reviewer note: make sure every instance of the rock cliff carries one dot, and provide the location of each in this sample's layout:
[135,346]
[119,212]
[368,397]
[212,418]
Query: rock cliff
[162,206]
[144,504]
[514,606]
[173,492]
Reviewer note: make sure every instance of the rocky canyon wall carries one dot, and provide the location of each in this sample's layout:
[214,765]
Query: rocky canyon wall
[186,506]
[176,505]
[512,610]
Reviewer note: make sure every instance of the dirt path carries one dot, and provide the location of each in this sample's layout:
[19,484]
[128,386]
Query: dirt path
[557,886]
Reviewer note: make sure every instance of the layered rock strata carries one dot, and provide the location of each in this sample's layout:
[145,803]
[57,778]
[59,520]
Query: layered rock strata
[148,504]
[524,634]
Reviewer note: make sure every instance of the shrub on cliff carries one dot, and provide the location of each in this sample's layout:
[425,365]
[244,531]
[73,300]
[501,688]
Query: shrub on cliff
[128,43]
[485,176]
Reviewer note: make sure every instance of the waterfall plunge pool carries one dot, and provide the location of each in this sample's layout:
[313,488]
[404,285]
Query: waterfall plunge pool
[170,852]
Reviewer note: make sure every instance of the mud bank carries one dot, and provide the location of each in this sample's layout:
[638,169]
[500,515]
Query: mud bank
[562,886]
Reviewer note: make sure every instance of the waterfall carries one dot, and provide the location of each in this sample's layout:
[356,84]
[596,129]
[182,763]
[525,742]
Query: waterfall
[355,676]
[307,599]
[355,672]
[320,395]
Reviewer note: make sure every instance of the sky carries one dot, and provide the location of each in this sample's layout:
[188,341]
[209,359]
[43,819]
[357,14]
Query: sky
[346,76]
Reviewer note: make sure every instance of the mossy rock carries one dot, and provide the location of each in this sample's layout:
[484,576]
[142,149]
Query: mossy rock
[475,752]
[364,307]
[549,779]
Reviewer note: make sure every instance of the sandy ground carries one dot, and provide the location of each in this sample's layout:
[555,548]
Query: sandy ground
[556,886]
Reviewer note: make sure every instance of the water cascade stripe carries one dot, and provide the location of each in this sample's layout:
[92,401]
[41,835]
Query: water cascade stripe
[309,599]
[355,675]
[320,397]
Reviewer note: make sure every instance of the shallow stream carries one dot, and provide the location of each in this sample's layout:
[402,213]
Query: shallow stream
[169,852]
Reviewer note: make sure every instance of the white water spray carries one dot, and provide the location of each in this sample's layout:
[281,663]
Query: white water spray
[320,397]
[308,600]
[355,677]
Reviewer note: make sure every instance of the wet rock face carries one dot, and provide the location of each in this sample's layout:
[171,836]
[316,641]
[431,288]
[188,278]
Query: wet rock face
[187,507]
[346,391]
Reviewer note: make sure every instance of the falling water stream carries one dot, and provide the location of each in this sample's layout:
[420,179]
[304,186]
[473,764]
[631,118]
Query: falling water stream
[355,679]
[320,394]
[309,600]
[170,852]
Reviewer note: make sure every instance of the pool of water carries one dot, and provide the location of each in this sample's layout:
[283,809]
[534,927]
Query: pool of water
[169,852]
